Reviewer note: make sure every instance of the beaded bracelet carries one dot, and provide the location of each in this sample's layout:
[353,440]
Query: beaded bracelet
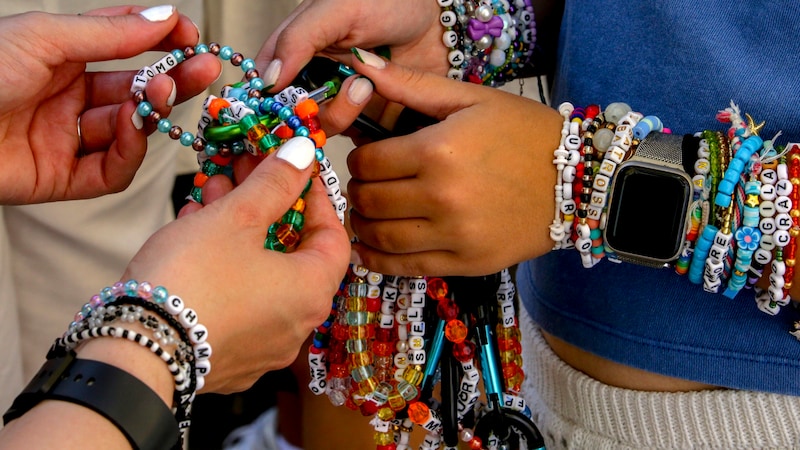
[244,119]
[489,40]
[753,186]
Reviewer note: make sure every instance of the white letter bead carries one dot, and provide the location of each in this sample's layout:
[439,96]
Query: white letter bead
[202,367]
[174,305]
[141,78]
[202,351]
[198,334]
[776,280]
[165,64]
[188,318]
[778,268]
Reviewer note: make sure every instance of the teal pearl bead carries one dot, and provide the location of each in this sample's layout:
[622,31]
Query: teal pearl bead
[179,55]
[201,48]
[302,131]
[164,125]
[285,113]
[186,139]
[237,148]
[211,149]
[252,102]
[257,84]
[248,64]
[225,53]
[319,154]
[144,109]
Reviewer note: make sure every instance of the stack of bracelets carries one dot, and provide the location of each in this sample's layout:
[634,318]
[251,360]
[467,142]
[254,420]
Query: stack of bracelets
[490,41]
[746,198]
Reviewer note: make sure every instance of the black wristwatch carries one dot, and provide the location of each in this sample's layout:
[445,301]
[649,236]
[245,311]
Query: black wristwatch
[123,399]
[649,201]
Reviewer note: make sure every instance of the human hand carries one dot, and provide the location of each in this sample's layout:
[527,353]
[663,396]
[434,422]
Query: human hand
[258,305]
[469,195]
[45,155]
[410,29]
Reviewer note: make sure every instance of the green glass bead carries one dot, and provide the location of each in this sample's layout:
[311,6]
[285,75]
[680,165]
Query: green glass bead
[197,194]
[294,218]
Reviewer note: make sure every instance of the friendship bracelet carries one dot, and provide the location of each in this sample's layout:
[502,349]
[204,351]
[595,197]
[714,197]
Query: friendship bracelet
[754,187]
[489,41]
[244,119]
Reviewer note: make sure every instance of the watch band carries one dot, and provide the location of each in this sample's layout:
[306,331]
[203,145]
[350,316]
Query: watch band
[123,399]
[677,150]
[661,147]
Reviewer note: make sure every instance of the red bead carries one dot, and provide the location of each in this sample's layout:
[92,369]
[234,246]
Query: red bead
[447,309]
[220,160]
[368,408]
[592,111]
[437,289]
[373,304]
[464,351]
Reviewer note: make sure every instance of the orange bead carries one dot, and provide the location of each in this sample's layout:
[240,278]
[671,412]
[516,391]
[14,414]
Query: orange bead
[256,132]
[455,331]
[215,105]
[283,132]
[419,413]
[306,109]
[299,205]
[319,138]
[200,179]
[287,235]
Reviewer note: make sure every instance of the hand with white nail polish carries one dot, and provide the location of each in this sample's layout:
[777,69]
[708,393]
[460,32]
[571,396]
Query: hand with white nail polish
[66,133]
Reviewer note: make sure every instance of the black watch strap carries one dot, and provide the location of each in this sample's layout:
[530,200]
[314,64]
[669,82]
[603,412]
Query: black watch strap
[128,403]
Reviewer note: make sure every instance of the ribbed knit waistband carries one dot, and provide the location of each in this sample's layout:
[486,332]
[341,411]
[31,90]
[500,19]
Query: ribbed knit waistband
[576,411]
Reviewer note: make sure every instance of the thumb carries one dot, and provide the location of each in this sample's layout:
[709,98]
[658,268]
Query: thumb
[427,93]
[109,33]
[275,184]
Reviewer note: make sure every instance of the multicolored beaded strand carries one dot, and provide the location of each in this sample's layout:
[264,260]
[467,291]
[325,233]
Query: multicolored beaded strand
[243,119]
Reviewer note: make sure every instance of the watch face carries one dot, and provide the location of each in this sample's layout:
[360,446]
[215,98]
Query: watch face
[647,212]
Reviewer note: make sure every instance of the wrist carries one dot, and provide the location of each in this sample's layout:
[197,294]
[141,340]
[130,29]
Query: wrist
[133,359]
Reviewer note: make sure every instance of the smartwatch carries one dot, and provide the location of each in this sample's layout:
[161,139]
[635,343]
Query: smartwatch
[649,201]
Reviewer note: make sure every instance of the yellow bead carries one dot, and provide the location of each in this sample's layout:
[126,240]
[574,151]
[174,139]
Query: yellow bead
[386,414]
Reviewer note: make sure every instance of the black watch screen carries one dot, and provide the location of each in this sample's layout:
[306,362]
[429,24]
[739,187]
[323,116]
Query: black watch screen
[649,212]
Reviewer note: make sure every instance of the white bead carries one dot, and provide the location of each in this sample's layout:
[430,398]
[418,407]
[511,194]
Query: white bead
[455,57]
[767,225]
[776,280]
[572,142]
[202,350]
[455,74]
[768,192]
[198,333]
[768,176]
[781,237]
[360,271]
[779,268]
[317,387]
[188,318]
[450,40]
[202,367]
[783,187]
[783,221]
[448,19]
[165,64]
[141,78]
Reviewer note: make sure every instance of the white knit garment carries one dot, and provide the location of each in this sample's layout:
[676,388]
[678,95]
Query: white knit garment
[575,411]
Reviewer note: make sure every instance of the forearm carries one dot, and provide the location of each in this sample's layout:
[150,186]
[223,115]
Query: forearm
[70,425]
